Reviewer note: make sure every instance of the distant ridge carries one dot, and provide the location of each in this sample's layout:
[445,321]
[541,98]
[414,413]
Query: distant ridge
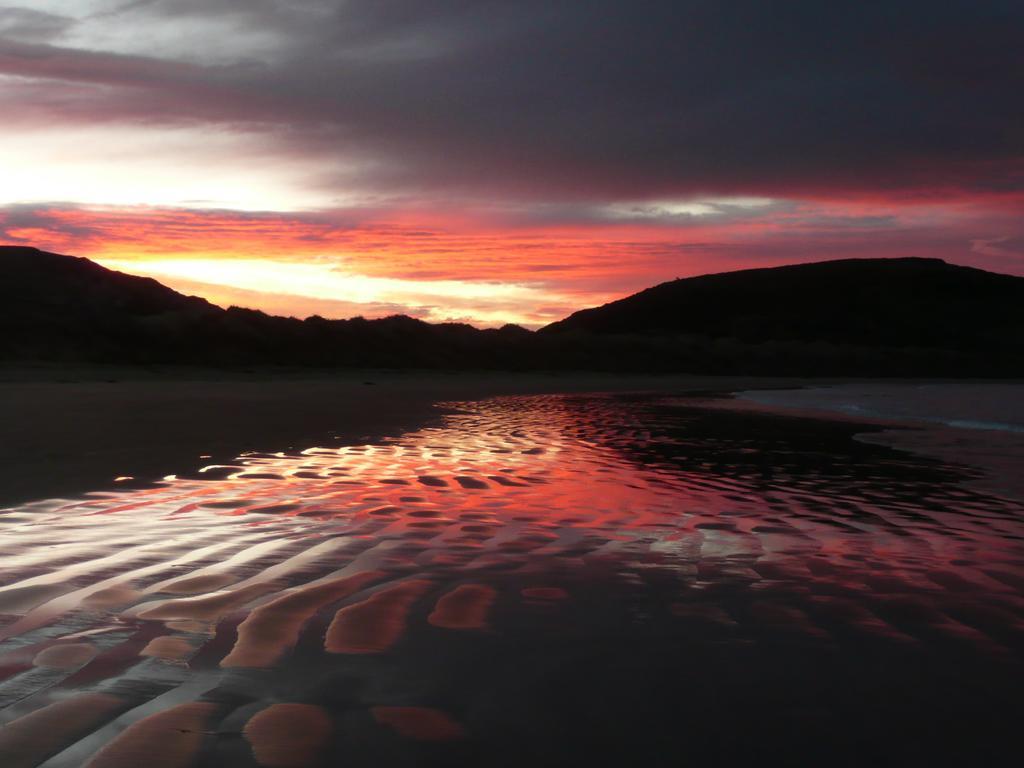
[906,302]
[48,285]
[867,317]
[66,308]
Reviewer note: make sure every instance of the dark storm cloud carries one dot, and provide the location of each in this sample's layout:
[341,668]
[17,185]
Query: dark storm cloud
[32,25]
[598,100]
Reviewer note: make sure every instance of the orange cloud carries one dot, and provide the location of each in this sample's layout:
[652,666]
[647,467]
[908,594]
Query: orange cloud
[495,268]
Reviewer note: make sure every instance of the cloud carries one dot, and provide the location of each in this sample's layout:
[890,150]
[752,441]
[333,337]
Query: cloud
[373,261]
[30,25]
[582,150]
[601,102]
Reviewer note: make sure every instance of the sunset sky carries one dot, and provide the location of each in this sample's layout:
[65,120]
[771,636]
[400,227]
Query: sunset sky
[505,161]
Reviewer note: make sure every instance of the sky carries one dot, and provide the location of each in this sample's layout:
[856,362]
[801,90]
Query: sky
[513,161]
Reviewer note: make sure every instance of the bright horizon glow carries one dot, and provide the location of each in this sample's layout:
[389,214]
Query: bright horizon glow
[323,289]
[318,281]
[325,282]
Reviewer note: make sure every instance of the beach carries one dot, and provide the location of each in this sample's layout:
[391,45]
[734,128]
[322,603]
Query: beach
[68,430]
[587,570]
[72,429]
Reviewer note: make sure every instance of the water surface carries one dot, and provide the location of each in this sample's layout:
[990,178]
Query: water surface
[540,580]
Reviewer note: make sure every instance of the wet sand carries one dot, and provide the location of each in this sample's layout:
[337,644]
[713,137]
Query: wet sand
[69,430]
[610,579]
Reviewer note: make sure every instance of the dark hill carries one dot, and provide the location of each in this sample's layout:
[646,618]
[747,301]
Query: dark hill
[48,285]
[865,317]
[62,308]
[865,302]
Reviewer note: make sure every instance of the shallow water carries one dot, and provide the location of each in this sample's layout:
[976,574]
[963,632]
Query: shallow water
[986,405]
[553,580]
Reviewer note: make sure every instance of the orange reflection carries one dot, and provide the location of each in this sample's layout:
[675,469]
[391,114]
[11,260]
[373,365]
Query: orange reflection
[555,528]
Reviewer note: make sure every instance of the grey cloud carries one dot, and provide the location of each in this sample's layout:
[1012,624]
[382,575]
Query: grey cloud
[568,102]
[32,26]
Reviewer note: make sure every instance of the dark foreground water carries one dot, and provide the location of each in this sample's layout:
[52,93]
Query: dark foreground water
[540,581]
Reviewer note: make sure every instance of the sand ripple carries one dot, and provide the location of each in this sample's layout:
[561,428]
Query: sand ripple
[534,565]
[289,735]
[375,624]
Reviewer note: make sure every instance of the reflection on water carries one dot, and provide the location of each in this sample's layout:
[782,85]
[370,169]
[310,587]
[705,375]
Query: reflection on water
[556,580]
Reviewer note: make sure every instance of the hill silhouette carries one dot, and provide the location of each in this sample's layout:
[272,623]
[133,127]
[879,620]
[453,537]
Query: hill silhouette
[855,317]
[64,308]
[906,302]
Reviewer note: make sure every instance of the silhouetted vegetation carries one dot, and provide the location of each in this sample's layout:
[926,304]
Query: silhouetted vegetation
[857,317]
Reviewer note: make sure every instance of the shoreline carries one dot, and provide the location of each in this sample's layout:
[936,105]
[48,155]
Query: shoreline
[70,430]
[976,424]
